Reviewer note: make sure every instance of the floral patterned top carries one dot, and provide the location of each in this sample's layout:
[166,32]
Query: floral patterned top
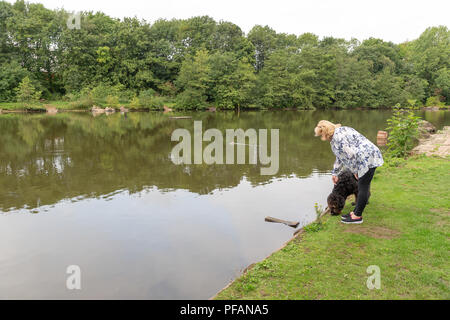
[354,152]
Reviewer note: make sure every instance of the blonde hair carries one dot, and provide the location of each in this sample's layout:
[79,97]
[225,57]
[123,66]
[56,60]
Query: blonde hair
[325,129]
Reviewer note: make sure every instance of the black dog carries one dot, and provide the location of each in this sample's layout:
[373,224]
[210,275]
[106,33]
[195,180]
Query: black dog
[346,185]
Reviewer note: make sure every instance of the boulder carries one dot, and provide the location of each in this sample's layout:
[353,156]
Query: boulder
[96,109]
[50,109]
[426,129]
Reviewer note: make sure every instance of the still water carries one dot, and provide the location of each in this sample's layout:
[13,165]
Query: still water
[102,193]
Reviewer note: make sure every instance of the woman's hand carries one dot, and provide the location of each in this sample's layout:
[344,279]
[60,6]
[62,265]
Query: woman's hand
[356,176]
[335,179]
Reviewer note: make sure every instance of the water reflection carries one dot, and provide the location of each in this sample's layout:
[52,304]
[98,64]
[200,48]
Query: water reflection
[46,159]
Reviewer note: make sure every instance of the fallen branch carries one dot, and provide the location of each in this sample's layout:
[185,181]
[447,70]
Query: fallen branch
[293,224]
[181,117]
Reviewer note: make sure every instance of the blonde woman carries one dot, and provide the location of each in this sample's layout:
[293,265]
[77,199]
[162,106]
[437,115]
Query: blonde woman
[355,152]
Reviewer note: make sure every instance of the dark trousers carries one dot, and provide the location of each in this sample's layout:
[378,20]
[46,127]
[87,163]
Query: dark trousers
[363,191]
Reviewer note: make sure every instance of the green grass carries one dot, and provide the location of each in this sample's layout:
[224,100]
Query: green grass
[19,106]
[405,232]
[74,105]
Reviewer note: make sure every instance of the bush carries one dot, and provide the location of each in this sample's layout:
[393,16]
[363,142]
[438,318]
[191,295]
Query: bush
[167,89]
[125,96]
[146,96]
[81,100]
[12,74]
[157,102]
[434,102]
[403,129]
[149,99]
[70,97]
[100,94]
[191,99]
[135,103]
[26,91]
[112,101]
[82,103]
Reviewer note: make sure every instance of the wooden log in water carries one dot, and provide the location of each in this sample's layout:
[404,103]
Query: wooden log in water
[182,117]
[293,224]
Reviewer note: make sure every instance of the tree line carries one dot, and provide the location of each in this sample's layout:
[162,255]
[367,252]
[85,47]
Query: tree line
[199,62]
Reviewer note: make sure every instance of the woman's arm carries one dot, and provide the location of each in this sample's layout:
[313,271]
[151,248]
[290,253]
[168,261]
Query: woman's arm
[337,167]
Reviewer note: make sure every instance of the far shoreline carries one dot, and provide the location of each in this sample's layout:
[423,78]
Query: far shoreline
[62,107]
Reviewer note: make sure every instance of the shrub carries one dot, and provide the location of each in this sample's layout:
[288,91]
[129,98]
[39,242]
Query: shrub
[112,101]
[191,99]
[135,102]
[26,91]
[157,102]
[99,93]
[82,103]
[146,96]
[167,89]
[434,102]
[403,129]
[11,75]
[125,96]
[70,97]
[149,99]
[82,100]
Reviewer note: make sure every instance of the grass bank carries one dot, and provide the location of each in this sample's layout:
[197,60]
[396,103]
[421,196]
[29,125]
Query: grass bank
[72,105]
[36,106]
[405,232]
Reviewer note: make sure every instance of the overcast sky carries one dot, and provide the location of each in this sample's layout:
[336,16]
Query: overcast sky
[391,20]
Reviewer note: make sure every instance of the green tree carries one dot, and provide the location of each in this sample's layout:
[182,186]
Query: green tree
[429,54]
[264,41]
[26,92]
[231,80]
[442,83]
[193,81]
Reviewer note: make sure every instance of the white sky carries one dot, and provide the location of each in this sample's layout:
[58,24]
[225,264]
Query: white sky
[390,20]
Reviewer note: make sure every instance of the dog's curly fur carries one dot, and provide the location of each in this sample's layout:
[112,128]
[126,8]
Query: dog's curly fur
[346,185]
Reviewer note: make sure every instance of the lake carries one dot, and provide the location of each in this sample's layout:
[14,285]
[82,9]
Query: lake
[102,193]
